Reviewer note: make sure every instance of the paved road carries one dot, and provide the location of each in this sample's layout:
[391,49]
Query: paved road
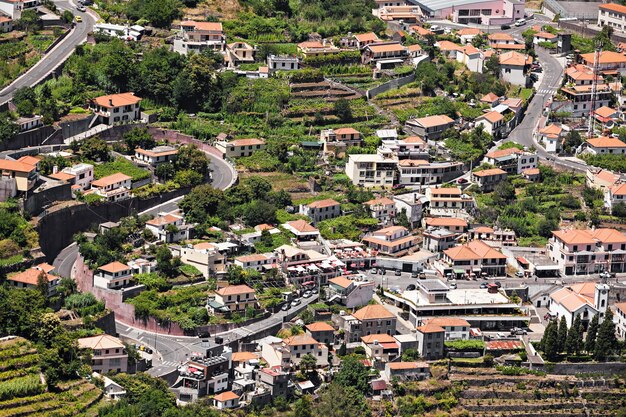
[172,350]
[56,56]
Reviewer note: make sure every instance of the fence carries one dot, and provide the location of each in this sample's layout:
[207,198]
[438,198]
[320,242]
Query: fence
[395,83]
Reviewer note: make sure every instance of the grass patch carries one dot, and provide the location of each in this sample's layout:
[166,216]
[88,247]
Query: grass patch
[120,165]
[11,260]
[525,93]
[189,270]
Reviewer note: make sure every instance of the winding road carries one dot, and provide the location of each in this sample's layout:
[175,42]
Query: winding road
[55,57]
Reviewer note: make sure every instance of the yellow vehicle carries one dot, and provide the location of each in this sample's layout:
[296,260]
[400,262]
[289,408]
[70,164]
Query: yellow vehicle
[78,19]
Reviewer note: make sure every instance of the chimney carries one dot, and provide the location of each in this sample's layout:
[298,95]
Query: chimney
[111,102]
[55,169]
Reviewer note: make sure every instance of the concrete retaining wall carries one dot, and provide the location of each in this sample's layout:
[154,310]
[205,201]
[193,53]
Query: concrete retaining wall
[33,137]
[395,83]
[57,228]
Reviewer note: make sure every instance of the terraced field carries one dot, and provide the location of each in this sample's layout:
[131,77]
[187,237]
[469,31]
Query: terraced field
[22,392]
[488,393]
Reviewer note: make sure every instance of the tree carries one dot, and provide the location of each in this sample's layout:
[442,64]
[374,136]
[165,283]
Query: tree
[138,137]
[259,212]
[8,129]
[402,219]
[266,238]
[606,342]
[410,355]
[549,343]
[339,400]
[343,110]
[196,86]
[304,406]
[166,263]
[479,40]
[42,284]
[25,97]
[562,335]
[308,362]
[191,158]
[493,66]
[188,178]
[29,20]
[48,105]
[165,172]
[592,332]
[201,202]
[574,340]
[572,141]
[160,13]
[619,210]
[353,374]
[95,149]
[67,16]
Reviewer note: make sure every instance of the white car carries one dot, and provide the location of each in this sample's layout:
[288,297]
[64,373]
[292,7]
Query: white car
[520,22]
[296,302]
[453,285]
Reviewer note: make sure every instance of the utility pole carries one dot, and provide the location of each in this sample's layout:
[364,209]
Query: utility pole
[594,89]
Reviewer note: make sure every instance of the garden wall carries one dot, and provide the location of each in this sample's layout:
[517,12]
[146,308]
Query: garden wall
[57,228]
[395,83]
[586,368]
[34,137]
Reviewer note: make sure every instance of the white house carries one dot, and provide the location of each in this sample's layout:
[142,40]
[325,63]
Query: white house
[412,204]
[240,147]
[605,145]
[226,400]
[196,37]
[113,275]
[614,195]
[282,63]
[471,57]
[372,170]
[514,67]
[585,299]
[116,108]
[455,328]
[321,210]
[492,123]
[156,155]
[382,209]
[258,261]
[393,240]
[169,227]
[552,137]
[113,187]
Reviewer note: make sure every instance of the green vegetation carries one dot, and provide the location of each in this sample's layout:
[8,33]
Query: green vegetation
[466,345]
[17,235]
[611,162]
[122,165]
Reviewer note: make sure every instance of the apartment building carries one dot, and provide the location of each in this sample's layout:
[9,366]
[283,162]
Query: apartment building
[113,276]
[437,239]
[240,147]
[321,210]
[588,251]
[417,172]
[200,376]
[384,53]
[480,12]
[612,15]
[113,187]
[493,123]
[448,202]
[472,259]
[609,61]
[382,209]
[455,328]
[413,205]
[196,37]
[205,256]
[116,108]
[430,341]
[81,175]
[430,127]
[372,170]
[371,319]
[108,353]
[337,141]
[380,347]
[614,195]
[496,237]
[580,98]
[321,331]
[452,224]
[350,293]
[393,241]
[237,297]
[412,147]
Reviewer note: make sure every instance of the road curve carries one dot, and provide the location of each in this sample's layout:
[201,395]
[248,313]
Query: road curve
[50,61]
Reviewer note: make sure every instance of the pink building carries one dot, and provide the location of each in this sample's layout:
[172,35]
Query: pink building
[496,12]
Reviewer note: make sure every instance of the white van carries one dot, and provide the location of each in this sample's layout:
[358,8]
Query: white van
[520,22]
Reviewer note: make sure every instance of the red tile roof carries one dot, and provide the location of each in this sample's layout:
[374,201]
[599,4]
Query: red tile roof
[117,100]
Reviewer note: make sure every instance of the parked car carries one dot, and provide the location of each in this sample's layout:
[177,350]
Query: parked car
[410,287]
[483,285]
[296,302]
[307,294]
[398,186]
[516,331]
[78,19]
[505,27]
[398,273]
[519,274]
[373,271]
[453,285]
[314,291]
[414,274]
[285,307]
[461,181]
[520,22]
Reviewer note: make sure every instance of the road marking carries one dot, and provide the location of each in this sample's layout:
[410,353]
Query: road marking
[128,329]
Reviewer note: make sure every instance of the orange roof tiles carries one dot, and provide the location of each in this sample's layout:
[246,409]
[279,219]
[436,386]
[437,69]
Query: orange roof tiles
[301,339]
[31,276]
[619,189]
[379,201]
[390,230]
[510,46]
[492,117]
[380,338]
[448,46]
[499,153]
[551,130]
[545,35]
[430,328]
[446,190]
[226,396]
[476,249]
[367,37]
[152,153]
[117,100]
[10,165]
[244,356]
[208,26]
[445,222]
[407,365]
[62,176]
[415,48]
[388,47]
[606,57]
[514,58]
[604,111]
[468,32]
[257,257]
[329,202]
[373,312]
[499,36]
[247,142]
[414,139]
[448,322]
[489,172]
[110,180]
[162,220]
[489,98]
[103,341]
[606,142]
[346,131]
[29,160]
[531,171]
[421,31]
[311,45]
[341,281]
[114,267]
[436,120]
[302,226]
[618,8]
[320,326]
[412,162]
[235,290]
